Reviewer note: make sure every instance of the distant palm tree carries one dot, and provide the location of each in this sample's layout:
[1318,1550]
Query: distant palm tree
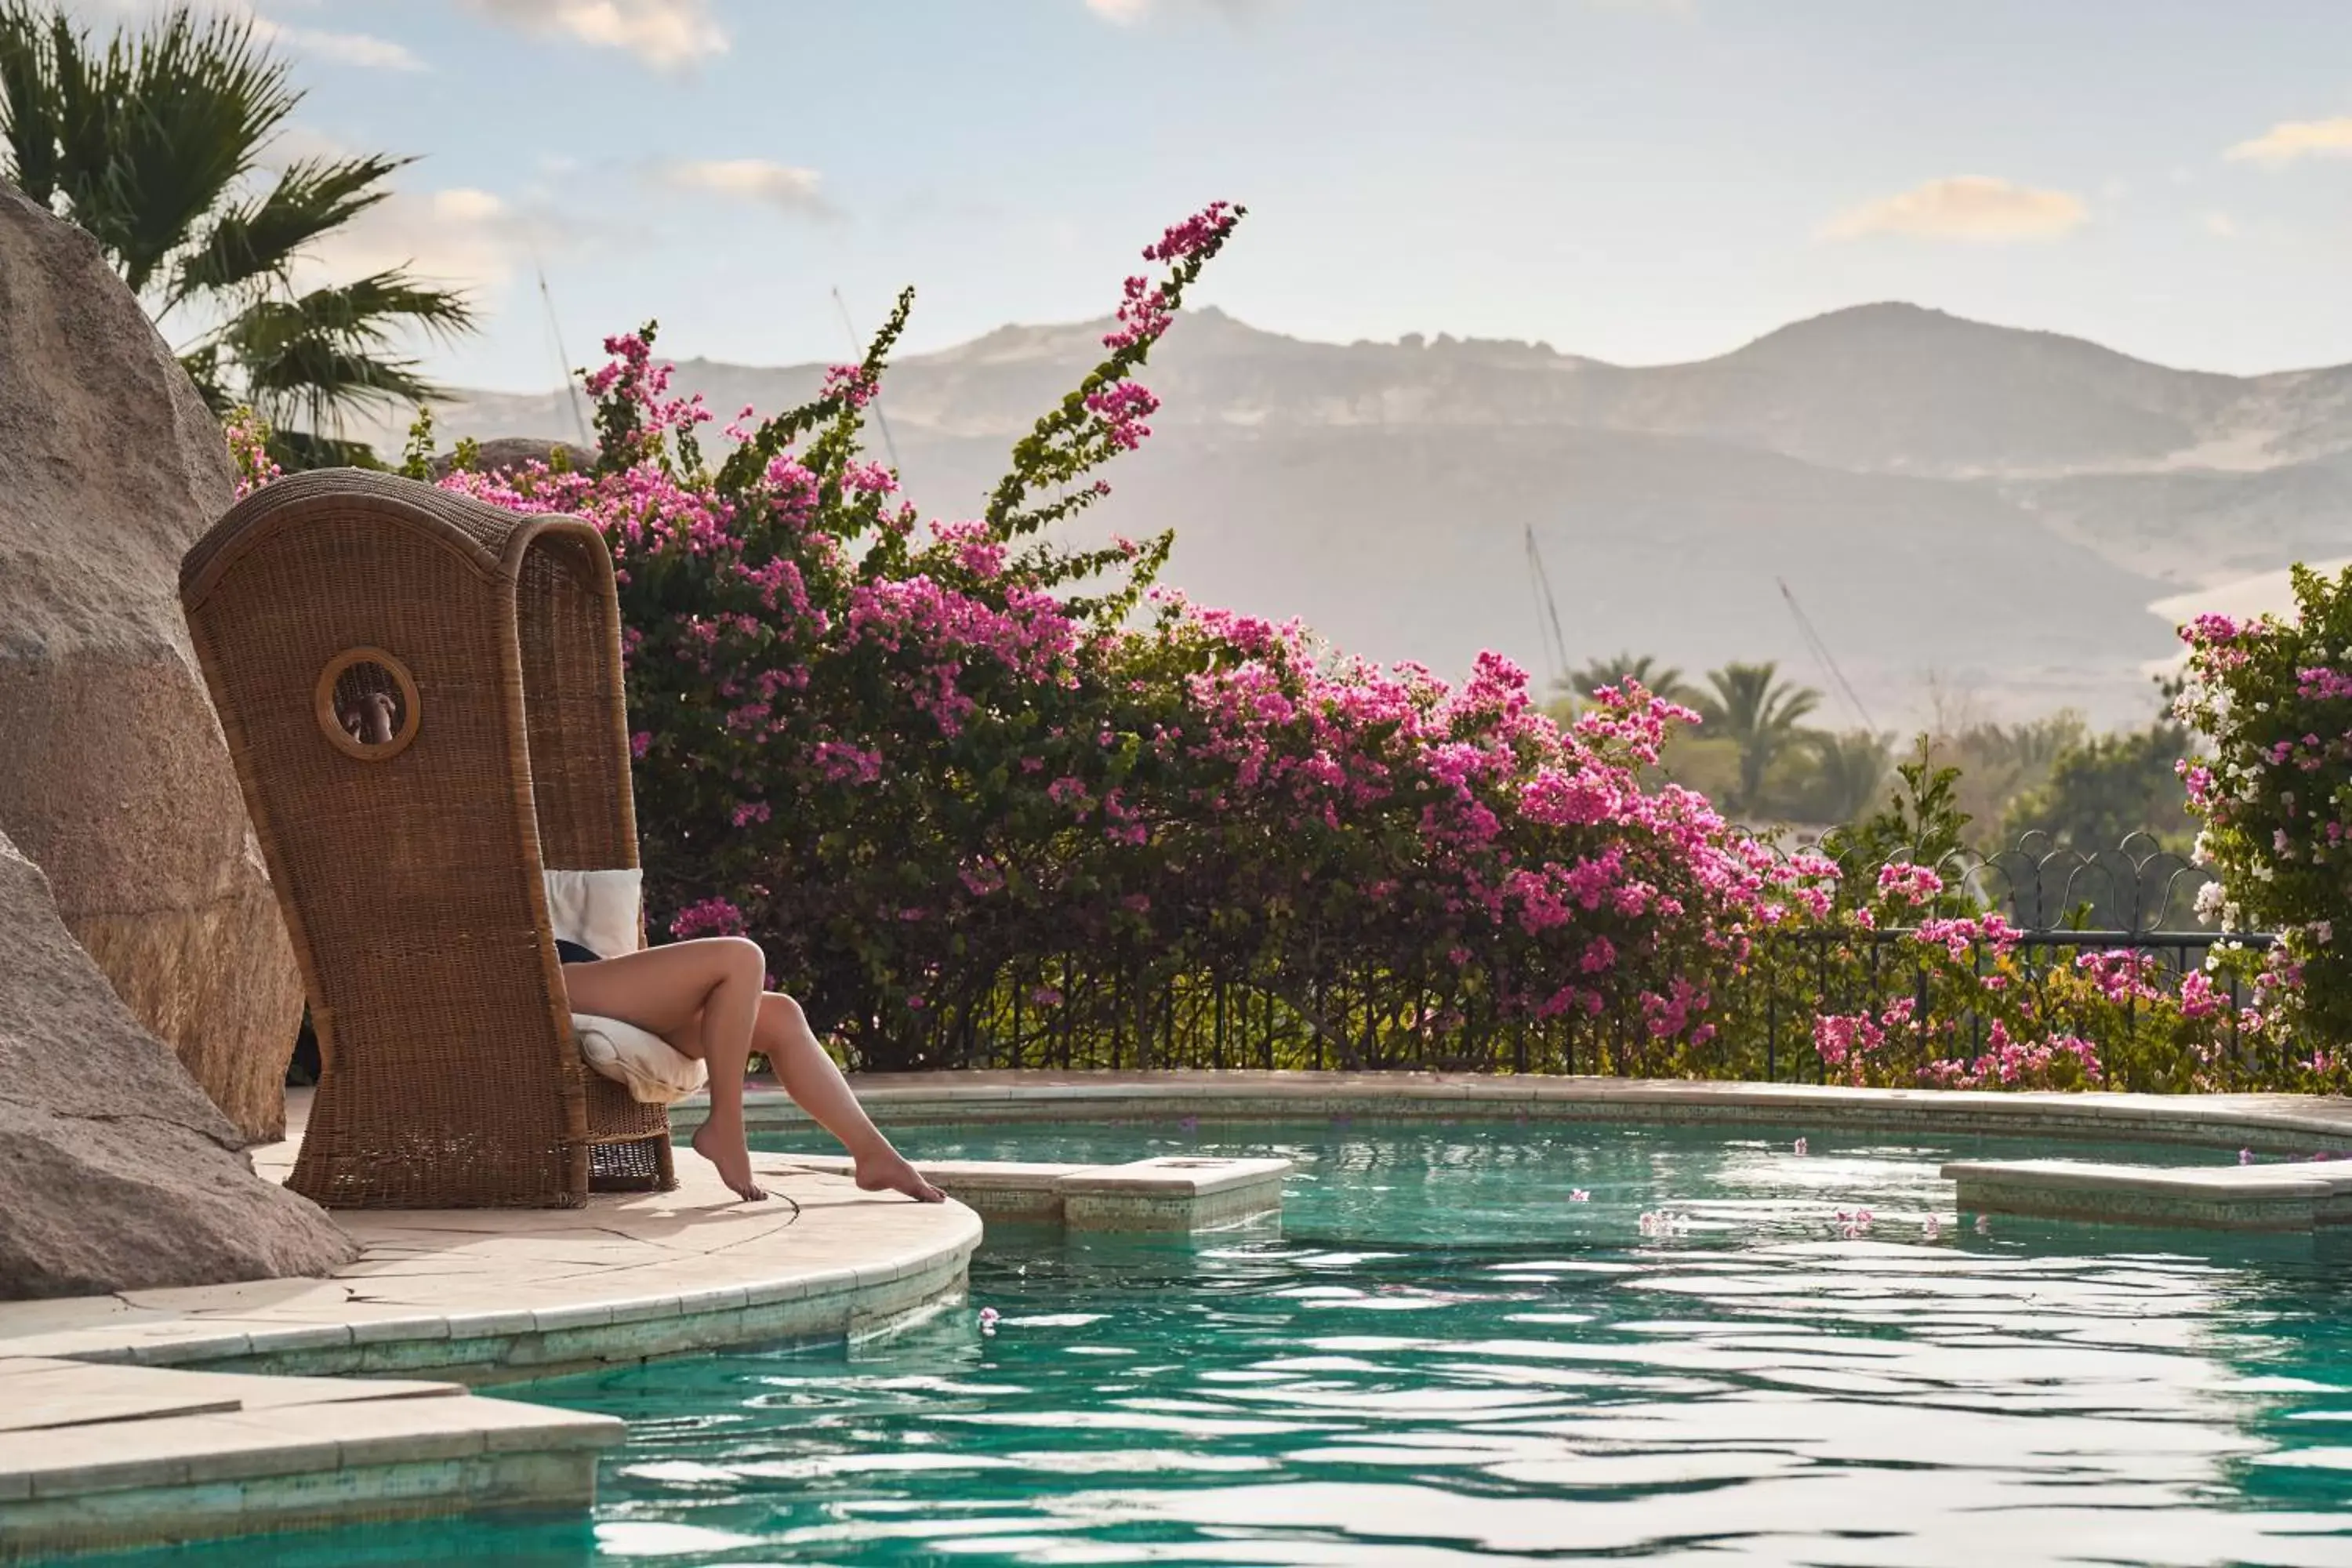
[152,146]
[2028,749]
[1659,681]
[1849,771]
[1750,706]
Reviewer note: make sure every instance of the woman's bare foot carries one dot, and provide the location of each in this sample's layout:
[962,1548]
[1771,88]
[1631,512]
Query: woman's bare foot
[885,1170]
[734,1163]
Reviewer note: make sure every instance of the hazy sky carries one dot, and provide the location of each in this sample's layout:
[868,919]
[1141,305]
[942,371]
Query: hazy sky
[1638,180]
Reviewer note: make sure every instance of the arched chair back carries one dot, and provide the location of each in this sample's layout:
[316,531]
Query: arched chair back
[423,695]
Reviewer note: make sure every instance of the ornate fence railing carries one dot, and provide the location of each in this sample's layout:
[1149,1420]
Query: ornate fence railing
[2139,898]
[1108,1009]
[1888,972]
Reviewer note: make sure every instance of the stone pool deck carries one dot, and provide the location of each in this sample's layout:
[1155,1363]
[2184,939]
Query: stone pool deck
[93,1456]
[275,1416]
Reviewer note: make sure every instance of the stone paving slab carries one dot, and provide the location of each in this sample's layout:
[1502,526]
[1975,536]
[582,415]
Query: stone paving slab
[283,1461]
[39,1393]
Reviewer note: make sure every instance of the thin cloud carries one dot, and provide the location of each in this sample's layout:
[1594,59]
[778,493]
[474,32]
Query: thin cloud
[2221,225]
[460,236]
[2292,139]
[347,48]
[795,191]
[364,49]
[1975,208]
[663,34]
[1127,12]
[295,142]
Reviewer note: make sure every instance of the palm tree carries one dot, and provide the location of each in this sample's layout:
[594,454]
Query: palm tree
[1849,771]
[1616,670]
[1751,706]
[153,146]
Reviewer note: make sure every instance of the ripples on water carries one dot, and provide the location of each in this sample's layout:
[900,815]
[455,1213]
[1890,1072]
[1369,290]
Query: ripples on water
[1439,1357]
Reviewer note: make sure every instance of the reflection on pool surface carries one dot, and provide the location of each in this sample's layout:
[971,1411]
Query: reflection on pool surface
[1442,1354]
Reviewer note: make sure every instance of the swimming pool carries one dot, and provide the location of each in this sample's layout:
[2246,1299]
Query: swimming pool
[1444,1354]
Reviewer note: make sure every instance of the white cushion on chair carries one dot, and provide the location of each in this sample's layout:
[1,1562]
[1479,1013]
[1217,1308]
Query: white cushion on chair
[598,909]
[653,1070]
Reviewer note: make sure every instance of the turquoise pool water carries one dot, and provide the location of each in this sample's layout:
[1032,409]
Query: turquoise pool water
[1441,1356]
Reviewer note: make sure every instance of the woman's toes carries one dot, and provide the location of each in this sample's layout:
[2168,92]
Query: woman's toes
[734,1164]
[890,1173]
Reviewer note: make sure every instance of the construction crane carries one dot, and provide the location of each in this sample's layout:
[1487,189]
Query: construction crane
[563,360]
[1546,609]
[1821,651]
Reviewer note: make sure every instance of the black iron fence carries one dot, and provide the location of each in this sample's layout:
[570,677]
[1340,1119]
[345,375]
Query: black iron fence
[2138,901]
[1115,1010]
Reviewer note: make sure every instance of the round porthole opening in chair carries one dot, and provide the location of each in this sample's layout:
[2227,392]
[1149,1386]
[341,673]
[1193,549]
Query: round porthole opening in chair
[367,705]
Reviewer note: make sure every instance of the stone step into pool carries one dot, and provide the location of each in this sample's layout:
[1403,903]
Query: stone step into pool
[2311,1196]
[1177,1193]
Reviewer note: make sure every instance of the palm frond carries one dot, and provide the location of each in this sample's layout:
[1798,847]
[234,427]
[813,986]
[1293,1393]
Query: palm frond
[154,135]
[1664,682]
[335,347]
[1752,705]
[1851,771]
[295,450]
[30,113]
[260,238]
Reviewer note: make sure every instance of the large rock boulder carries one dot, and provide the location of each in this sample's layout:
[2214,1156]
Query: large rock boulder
[116,1172]
[113,775]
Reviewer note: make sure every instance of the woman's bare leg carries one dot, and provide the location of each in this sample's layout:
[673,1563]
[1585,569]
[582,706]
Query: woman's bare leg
[704,996]
[810,1077]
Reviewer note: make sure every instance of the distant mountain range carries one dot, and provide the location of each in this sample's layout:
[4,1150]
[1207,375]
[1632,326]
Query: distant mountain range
[1988,509]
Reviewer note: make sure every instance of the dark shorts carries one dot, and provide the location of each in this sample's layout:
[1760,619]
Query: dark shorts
[573,953]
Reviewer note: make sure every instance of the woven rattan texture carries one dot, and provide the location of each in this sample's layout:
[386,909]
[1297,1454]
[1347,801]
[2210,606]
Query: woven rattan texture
[412,884]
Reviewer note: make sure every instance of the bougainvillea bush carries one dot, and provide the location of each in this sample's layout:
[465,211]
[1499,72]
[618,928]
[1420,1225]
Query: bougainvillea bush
[987,797]
[2272,700]
[1901,990]
[984,795]
[1919,975]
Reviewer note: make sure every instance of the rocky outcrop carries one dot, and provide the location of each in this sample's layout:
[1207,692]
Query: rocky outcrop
[509,453]
[113,775]
[116,1172]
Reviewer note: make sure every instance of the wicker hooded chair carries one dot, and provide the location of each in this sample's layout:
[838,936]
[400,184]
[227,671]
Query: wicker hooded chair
[423,696]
